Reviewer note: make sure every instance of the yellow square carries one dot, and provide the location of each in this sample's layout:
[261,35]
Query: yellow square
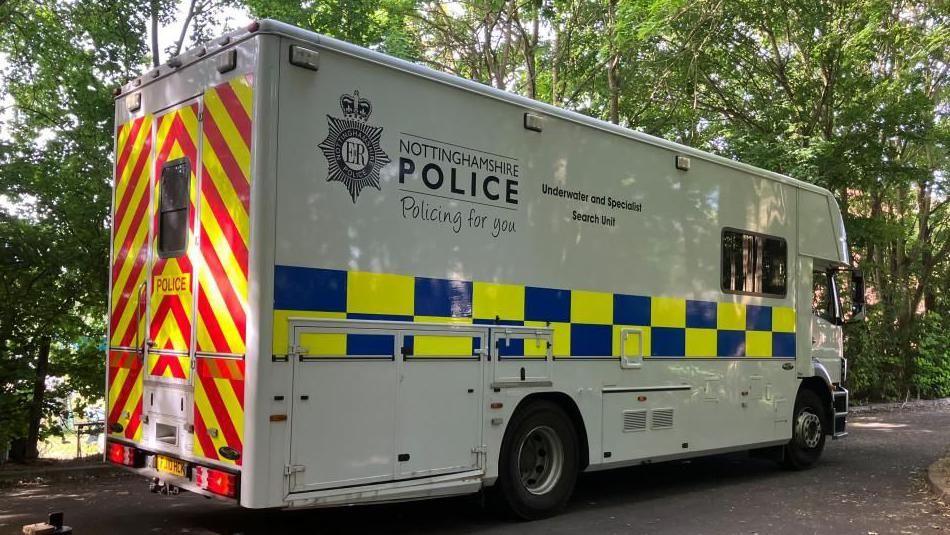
[758,344]
[731,316]
[701,342]
[535,347]
[667,312]
[644,333]
[783,319]
[562,339]
[425,345]
[282,327]
[503,300]
[323,344]
[592,307]
[379,293]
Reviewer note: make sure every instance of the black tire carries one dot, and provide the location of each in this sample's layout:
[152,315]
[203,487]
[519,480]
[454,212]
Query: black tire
[537,426]
[808,431]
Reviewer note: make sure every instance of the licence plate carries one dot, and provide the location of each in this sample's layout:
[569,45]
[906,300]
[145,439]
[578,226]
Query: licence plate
[171,466]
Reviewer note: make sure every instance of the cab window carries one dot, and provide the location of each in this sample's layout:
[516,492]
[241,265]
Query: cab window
[825,303]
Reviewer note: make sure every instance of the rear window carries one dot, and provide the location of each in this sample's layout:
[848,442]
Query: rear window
[173,208]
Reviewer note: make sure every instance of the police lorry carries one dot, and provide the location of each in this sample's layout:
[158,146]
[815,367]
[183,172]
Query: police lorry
[338,277]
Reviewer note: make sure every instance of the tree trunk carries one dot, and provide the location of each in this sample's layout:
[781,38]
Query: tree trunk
[613,65]
[613,84]
[153,14]
[555,66]
[36,405]
[531,47]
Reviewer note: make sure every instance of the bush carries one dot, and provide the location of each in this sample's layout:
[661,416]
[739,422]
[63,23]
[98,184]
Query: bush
[931,373]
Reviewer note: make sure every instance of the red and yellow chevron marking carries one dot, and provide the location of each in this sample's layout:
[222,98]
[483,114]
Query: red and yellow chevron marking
[219,406]
[169,366]
[224,214]
[130,231]
[170,303]
[125,395]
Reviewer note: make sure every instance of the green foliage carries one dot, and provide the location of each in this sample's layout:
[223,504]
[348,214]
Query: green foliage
[61,61]
[379,24]
[931,376]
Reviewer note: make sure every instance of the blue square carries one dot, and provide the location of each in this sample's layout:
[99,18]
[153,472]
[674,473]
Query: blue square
[547,304]
[731,343]
[758,318]
[667,342]
[701,314]
[443,297]
[370,344]
[300,288]
[591,340]
[783,344]
[631,310]
[511,348]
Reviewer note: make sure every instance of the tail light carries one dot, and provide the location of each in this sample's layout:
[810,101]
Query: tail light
[125,455]
[216,481]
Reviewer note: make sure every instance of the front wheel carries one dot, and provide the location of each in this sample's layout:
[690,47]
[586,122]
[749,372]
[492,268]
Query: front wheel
[538,465]
[808,432]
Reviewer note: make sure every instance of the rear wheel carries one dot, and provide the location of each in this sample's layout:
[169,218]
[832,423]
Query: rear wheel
[538,465]
[808,431]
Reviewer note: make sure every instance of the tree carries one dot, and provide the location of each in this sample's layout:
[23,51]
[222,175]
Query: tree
[62,61]
[379,24]
[851,95]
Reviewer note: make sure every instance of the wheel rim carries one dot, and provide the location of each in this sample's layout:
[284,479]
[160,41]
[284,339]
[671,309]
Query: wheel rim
[540,460]
[808,428]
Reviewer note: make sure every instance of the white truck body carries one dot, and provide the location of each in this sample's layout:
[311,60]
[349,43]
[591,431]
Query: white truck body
[424,254]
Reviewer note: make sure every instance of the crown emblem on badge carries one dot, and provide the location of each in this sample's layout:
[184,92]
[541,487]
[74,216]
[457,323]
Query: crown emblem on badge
[352,146]
[355,107]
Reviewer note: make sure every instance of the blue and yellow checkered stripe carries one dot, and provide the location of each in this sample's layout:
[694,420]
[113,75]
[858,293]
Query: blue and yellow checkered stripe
[585,323]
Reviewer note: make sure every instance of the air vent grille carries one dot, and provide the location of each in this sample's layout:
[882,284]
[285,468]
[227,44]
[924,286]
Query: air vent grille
[634,421]
[661,419]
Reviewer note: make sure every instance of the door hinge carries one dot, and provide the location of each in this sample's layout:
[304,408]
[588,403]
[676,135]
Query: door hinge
[483,449]
[293,469]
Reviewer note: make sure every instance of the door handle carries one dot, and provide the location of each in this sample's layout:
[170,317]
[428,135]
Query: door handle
[304,398]
[139,301]
[626,359]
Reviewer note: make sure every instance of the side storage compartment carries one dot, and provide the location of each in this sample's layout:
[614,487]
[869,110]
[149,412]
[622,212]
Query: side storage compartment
[377,401]
[643,423]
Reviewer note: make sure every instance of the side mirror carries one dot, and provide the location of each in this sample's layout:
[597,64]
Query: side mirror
[858,312]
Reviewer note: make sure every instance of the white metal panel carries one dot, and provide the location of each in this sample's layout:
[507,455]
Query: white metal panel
[819,234]
[267,387]
[665,423]
[383,414]
[439,416]
[343,413]
[671,247]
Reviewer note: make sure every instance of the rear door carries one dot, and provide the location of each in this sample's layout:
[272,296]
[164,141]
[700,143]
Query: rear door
[173,243]
[171,284]
[224,224]
[128,277]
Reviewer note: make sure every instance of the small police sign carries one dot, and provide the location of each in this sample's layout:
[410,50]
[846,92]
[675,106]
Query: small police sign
[351,147]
